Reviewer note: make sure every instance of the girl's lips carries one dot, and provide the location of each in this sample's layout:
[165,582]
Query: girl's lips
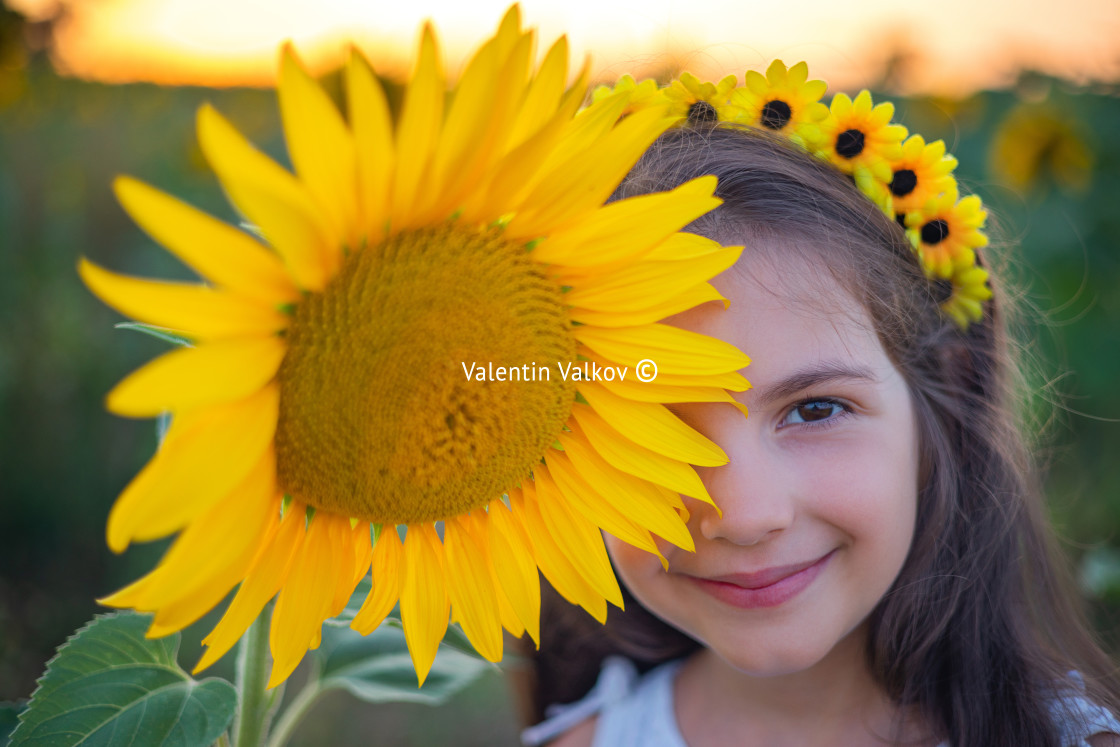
[767,588]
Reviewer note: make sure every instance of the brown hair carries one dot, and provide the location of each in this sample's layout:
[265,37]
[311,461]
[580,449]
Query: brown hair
[983,621]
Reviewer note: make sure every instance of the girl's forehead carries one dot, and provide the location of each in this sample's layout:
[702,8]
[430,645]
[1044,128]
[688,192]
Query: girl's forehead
[786,309]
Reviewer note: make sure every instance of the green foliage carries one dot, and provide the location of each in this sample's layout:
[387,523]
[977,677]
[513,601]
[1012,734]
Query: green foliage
[377,668]
[9,720]
[109,685]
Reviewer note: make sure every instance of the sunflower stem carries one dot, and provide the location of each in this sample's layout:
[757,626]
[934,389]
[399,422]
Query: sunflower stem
[252,676]
[295,712]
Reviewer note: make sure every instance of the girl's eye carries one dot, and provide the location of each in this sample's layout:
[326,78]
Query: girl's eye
[814,411]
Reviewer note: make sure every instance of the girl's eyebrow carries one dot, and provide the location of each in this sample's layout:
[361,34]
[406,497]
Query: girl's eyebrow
[810,376]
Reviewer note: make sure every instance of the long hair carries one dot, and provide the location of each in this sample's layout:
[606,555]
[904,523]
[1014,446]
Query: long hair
[983,621]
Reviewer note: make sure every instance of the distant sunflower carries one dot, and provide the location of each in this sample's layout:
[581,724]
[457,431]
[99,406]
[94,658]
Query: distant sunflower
[920,174]
[859,139]
[698,101]
[947,232]
[328,405]
[784,101]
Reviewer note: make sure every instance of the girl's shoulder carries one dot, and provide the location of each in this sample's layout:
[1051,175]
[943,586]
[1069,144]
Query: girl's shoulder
[623,709]
[1079,720]
[627,709]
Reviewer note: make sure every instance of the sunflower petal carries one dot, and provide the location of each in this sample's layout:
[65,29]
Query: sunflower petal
[582,538]
[637,460]
[554,561]
[305,599]
[514,568]
[320,145]
[642,502]
[212,373]
[424,602]
[418,131]
[198,311]
[269,572]
[204,456]
[472,593]
[630,228]
[587,500]
[373,142]
[654,427]
[386,582]
[210,557]
[676,350]
[271,198]
[219,252]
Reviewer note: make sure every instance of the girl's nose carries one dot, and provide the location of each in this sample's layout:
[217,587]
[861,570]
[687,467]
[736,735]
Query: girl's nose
[756,495]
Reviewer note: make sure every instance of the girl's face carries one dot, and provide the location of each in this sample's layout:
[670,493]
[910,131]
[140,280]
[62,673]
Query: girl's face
[819,497]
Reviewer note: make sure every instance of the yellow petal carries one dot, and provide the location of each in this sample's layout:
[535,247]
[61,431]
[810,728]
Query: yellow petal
[652,426]
[418,132]
[385,577]
[554,561]
[270,570]
[272,199]
[424,602]
[675,350]
[637,460]
[198,311]
[320,145]
[630,227]
[211,555]
[358,540]
[514,567]
[212,373]
[373,141]
[577,187]
[544,92]
[682,301]
[582,538]
[220,253]
[305,599]
[589,502]
[648,504]
[471,591]
[204,456]
[647,283]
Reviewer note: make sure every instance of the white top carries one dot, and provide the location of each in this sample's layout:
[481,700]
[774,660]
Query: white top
[637,711]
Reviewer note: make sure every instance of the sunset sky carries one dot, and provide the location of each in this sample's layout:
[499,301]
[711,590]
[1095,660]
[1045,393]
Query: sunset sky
[956,44]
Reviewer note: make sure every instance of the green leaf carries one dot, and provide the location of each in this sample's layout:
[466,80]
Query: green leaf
[108,685]
[9,719]
[377,668]
[158,332]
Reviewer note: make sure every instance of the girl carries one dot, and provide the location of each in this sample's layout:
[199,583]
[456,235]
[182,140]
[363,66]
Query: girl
[881,571]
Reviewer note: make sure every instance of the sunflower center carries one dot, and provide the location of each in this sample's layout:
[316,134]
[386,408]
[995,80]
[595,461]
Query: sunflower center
[383,413]
[849,143]
[935,232]
[702,112]
[903,182]
[776,114]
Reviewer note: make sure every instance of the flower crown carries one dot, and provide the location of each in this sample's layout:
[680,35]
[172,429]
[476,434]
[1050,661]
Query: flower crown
[909,179]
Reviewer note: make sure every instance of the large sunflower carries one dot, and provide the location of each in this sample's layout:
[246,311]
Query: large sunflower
[329,416]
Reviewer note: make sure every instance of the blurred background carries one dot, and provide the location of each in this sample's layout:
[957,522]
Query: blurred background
[1024,93]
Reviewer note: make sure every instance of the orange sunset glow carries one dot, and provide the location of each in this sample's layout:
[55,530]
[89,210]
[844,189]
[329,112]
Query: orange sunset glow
[948,46]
